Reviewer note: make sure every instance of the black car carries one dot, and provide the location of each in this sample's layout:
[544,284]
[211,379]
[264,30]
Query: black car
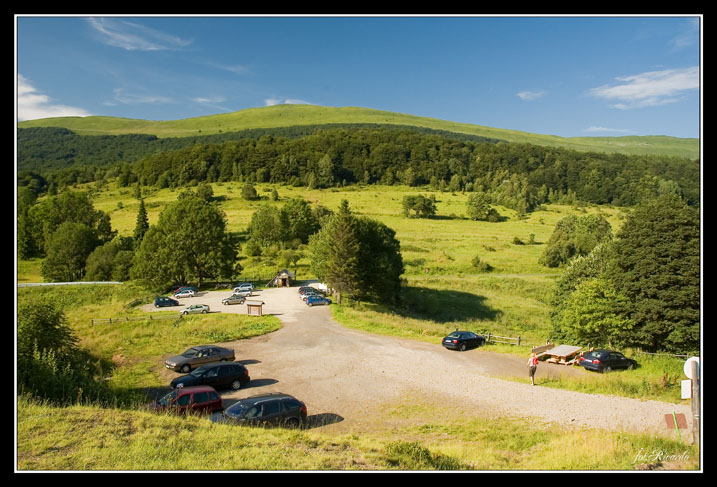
[218,375]
[605,361]
[162,301]
[267,409]
[463,340]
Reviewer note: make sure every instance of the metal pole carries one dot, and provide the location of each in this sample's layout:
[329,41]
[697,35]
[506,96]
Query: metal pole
[695,403]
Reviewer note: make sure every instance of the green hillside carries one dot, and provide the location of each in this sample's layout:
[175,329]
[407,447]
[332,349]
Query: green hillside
[293,115]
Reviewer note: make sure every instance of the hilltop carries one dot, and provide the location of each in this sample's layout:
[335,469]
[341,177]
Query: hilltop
[279,116]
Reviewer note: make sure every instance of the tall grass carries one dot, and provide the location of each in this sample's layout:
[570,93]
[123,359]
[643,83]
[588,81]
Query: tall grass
[87,437]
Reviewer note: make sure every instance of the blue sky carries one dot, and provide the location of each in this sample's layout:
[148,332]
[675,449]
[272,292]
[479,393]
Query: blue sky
[566,76]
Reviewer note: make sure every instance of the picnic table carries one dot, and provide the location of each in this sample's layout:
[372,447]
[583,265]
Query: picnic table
[562,354]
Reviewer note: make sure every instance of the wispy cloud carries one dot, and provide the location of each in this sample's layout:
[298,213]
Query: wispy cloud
[121,97]
[134,37]
[286,101]
[597,129]
[530,95]
[232,68]
[652,88]
[688,36]
[32,104]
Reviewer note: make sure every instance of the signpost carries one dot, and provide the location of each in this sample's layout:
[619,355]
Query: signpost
[692,370]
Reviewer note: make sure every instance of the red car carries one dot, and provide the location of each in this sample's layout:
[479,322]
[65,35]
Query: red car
[198,399]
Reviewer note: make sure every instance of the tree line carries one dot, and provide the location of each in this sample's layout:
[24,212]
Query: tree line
[518,176]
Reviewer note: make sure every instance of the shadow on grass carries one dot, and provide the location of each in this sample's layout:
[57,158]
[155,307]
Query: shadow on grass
[443,305]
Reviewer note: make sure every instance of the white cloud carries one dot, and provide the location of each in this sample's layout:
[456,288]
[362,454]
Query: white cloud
[530,95]
[134,37]
[131,99]
[652,88]
[32,105]
[606,129]
[286,101]
[200,99]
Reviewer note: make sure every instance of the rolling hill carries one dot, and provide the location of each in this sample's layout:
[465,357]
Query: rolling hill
[297,115]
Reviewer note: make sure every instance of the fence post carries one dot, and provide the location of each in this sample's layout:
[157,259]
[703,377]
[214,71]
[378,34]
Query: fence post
[488,340]
[518,340]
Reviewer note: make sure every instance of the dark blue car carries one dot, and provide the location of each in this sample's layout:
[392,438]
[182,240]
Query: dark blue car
[162,301]
[317,299]
[463,340]
[605,361]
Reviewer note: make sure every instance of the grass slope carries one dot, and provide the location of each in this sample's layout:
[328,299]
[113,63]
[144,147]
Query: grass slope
[291,115]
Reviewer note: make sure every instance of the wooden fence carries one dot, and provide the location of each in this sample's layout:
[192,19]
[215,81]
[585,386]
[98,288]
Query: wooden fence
[126,319]
[499,339]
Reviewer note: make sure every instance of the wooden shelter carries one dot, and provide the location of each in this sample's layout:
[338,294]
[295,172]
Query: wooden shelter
[284,278]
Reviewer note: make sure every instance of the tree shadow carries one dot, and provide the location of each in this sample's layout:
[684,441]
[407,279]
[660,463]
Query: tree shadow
[443,305]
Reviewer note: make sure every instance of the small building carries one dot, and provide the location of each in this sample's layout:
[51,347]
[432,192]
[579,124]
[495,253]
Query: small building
[254,308]
[284,278]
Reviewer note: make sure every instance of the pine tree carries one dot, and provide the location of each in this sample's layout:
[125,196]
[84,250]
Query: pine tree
[142,225]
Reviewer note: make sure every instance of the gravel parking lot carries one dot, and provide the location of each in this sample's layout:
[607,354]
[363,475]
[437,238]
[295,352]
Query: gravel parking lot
[347,376]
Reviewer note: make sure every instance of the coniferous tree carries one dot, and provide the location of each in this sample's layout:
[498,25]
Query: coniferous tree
[141,226]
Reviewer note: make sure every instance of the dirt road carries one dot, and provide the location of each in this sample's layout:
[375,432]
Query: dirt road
[346,376]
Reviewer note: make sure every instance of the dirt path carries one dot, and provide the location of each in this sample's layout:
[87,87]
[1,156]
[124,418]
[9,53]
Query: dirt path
[346,376]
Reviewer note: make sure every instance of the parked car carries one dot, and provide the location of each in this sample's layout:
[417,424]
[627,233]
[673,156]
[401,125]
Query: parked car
[199,399]
[199,355]
[184,288]
[162,301]
[234,299]
[245,293]
[317,299]
[463,340]
[267,409]
[605,361]
[220,375]
[306,295]
[306,289]
[195,309]
[244,286]
[185,293]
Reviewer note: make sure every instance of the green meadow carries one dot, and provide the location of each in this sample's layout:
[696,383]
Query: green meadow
[442,291]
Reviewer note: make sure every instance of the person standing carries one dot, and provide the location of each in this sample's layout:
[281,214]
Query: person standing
[532,367]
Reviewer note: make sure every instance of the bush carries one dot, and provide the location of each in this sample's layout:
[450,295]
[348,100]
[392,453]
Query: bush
[480,265]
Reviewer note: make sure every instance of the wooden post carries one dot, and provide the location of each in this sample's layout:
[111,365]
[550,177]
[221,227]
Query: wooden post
[518,340]
[488,339]
[695,404]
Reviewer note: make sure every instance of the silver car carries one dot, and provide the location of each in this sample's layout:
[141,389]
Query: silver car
[195,309]
[234,299]
[199,355]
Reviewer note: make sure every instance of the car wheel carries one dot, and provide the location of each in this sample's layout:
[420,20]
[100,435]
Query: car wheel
[310,304]
[463,347]
[606,370]
[293,422]
[204,311]
[236,385]
[186,368]
[184,313]
[631,367]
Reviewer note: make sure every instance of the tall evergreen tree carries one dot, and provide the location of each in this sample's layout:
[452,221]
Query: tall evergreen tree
[141,226]
[334,251]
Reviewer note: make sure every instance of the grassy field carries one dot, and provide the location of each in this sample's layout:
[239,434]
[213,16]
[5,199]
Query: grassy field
[87,437]
[512,299]
[293,115]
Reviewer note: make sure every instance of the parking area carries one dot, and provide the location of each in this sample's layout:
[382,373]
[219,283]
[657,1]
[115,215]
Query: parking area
[349,378]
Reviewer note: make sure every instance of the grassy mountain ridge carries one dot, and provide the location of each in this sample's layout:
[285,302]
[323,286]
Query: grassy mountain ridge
[293,115]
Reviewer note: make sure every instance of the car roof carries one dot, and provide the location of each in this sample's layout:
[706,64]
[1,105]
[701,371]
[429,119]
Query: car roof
[262,397]
[196,389]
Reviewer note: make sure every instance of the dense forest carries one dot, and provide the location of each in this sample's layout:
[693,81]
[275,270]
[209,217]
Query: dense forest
[519,176]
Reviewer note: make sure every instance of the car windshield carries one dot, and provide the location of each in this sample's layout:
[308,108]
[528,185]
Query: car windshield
[167,400]
[236,410]
[190,353]
[198,372]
